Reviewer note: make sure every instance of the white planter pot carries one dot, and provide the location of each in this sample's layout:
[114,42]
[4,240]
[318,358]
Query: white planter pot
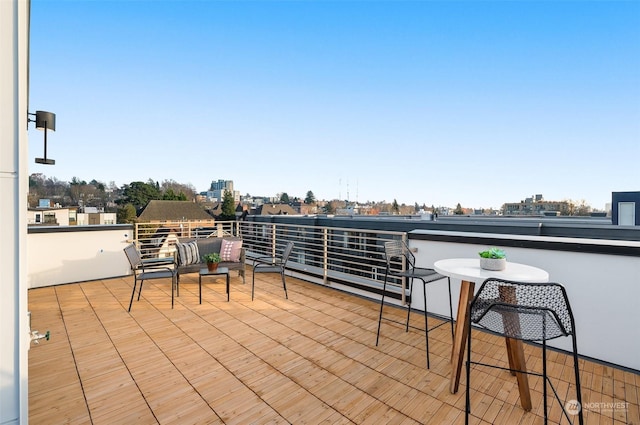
[493,263]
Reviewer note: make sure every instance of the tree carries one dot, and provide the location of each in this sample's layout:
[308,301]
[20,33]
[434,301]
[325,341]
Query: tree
[169,195]
[576,208]
[85,194]
[98,185]
[126,214]
[329,208]
[458,210]
[395,208]
[184,192]
[228,206]
[139,194]
[37,189]
[284,198]
[310,199]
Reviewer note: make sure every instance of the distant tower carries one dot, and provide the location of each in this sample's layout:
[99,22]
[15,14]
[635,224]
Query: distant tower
[216,192]
[222,185]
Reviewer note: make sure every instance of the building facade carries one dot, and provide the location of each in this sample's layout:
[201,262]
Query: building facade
[535,205]
[217,189]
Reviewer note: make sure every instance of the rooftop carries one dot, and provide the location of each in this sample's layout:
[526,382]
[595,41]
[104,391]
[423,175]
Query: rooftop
[309,359]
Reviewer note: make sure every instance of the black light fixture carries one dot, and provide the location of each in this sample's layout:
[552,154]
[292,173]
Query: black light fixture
[44,121]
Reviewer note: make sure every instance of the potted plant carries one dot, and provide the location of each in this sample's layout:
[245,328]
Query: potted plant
[212,260]
[493,259]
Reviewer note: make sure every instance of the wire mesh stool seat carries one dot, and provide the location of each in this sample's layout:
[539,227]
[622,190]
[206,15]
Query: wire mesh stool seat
[397,252]
[534,312]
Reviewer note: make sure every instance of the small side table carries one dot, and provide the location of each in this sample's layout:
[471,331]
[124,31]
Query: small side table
[218,271]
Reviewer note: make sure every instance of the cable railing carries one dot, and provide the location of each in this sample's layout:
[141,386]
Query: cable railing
[351,257]
[328,255]
[159,239]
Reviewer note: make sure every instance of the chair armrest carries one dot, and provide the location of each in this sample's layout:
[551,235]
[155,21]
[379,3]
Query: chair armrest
[266,259]
[158,261]
[151,264]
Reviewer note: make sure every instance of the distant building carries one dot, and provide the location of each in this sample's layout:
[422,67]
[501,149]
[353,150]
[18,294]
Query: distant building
[160,211]
[303,208]
[217,189]
[274,209]
[50,216]
[68,216]
[535,205]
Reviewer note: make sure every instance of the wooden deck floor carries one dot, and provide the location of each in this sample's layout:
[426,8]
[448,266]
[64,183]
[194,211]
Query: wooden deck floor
[310,359]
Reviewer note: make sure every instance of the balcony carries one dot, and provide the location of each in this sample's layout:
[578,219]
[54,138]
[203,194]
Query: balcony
[309,359]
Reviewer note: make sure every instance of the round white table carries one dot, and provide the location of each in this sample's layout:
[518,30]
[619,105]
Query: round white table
[469,269]
[469,272]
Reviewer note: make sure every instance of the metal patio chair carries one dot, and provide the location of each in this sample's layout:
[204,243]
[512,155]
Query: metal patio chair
[398,250]
[155,268]
[270,264]
[535,312]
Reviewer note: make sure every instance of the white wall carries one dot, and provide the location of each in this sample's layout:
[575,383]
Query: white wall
[74,256]
[14,332]
[604,291]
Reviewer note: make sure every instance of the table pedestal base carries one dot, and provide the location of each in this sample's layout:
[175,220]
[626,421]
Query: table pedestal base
[515,350]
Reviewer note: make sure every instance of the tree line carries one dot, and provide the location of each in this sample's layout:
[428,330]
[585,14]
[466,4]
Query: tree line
[129,199]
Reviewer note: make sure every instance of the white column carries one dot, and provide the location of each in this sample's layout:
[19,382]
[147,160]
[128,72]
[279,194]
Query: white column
[14,333]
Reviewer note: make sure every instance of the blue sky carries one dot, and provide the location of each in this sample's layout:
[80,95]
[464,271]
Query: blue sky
[477,103]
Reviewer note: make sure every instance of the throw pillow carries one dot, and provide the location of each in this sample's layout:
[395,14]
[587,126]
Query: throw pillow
[188,253]
[230,250]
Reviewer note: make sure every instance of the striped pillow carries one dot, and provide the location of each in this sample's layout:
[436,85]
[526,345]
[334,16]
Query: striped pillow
[188,253]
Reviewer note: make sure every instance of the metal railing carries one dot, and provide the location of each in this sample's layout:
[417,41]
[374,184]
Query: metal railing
[351,257]
[158,239]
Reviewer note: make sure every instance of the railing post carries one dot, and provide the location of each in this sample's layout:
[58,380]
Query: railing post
[405,240]
[325,255]
[273,239]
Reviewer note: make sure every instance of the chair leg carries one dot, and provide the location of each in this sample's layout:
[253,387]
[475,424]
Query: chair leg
[409,306]
[426,325]
[253,282]
[384,289]
[284,285]
[140,289]
[467,409]
[173,284]
[544,379]
[576,367]
[135,282]
[450,307]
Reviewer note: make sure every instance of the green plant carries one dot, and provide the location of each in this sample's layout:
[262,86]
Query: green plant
[493,253]
[212,258]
